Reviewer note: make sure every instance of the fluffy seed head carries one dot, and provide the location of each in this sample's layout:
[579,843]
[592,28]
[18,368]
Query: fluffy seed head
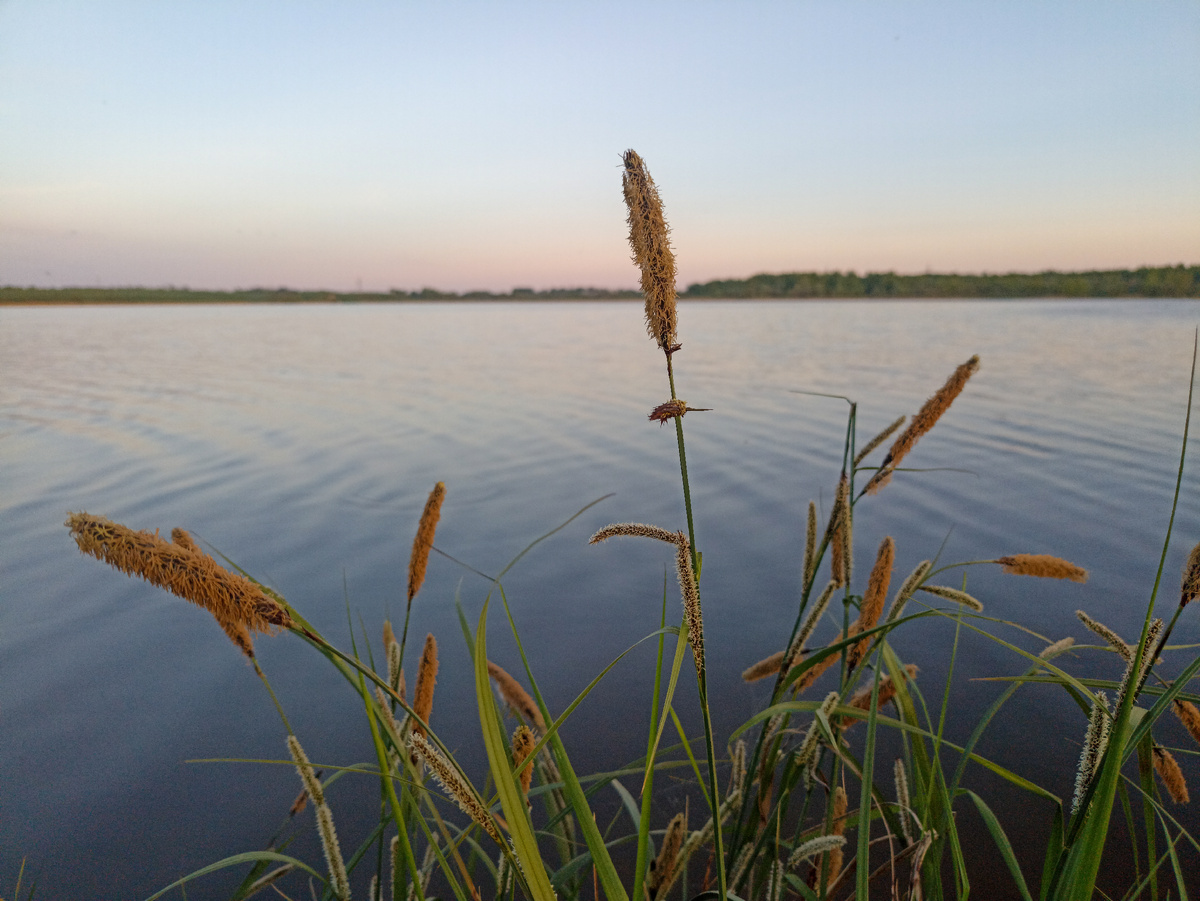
[238,605]
[768,666]
[516,697]
[810,545]
[423,541]
[907,587]
[1189,716]
[668,855]
[426,680]
[1118,643]
[522,746]
[1191,578]
[877,440]
[876,593]
[691,602]
[1170,774]
[651,245]
[1043,566]
[925,420]
[814,846]
[1050,651]
[453,785]
[954,594]
[637,529]
[183,539]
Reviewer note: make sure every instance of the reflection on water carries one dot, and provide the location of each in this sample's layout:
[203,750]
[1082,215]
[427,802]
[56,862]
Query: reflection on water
[301,441]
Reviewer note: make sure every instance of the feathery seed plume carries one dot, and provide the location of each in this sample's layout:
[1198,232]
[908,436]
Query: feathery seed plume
[1170,774]
[1043,566]
[329,840]
[1118,643]
[1190,589]
[1095,742]
[454,786]
[813,847]
[668,855]
[877,440]
[426,679]
[691,602]
[796,651]
[1189,716]
[877,588]
[737,767]
[954,594]
[516,697]
[423,541]
[649,239]
[637,529]
[238,604]
[903,804]
[925,420]
[768,666]
[522,746]
[810,545]
[1050,651]
[907,587]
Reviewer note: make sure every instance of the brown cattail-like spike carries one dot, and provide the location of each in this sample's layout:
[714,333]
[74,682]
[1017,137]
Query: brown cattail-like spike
[1170,774]
[1050,651]
[636,529]
[183,539]
[872,603]
[650,242]
[516,697]
[1043,566]
[238,604]
[811,675]
[768,666]
[810,545]
[522,746]
[691,602]
[887,691]
[925,420]
[1190,589]
[426,679]
[1189,716]
[663,865]
[795,652]
[1118,643]
[423,542]
[838,828]
[907,587]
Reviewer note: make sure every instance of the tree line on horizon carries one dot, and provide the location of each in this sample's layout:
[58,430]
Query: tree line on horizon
[1148,281]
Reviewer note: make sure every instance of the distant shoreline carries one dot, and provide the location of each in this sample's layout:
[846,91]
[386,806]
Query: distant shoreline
[1147,282]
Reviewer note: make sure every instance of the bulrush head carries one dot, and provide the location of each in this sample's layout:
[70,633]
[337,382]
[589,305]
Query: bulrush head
[1043,566]
[426,679]
[768,666]
[423,542]
[876,593]
[516,697]
[925,420]
[635,529]
[523,744]
[1170,774]
[454,785]
[1189,716]
[1190,589]
[650,241]
[238,604]
[663,866]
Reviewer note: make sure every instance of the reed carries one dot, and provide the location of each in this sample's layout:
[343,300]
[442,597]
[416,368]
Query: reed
[426,680]
[1043,566]
[418,561]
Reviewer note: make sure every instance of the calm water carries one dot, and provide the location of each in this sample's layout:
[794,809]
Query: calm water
[302,441]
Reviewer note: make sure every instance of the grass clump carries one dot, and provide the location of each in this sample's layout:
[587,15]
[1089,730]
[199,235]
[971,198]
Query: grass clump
[798,803]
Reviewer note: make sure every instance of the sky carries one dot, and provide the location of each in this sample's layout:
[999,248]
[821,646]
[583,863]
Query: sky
[477,146]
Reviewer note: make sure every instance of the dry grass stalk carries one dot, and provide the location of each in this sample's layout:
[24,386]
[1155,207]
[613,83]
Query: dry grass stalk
[872,603]
[1118,643]
[877,440]
[426,679]
[651,245]
[810,546]
[329,840]
[1190,588]
[1189,716]
[907,587]
[1170,774]
[516,697]
[423,542]
[887,691]
[768,666]
[925,420]
[453,785]
[663,866]
[635,529]
[522,746]
[238,604]
[954,594]
[1043,566]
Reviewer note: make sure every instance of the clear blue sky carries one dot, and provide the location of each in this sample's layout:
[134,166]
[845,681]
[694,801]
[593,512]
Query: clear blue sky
[477,145]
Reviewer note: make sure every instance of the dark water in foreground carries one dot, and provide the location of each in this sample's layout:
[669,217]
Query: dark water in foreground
[302,441]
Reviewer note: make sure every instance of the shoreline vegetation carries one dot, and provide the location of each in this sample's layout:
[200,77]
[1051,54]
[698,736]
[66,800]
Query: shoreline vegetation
[1147,282]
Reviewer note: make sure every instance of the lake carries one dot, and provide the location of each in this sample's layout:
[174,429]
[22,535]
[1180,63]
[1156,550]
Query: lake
[302,441]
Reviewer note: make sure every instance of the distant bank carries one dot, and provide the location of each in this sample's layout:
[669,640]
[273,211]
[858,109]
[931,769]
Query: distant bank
[1161,281]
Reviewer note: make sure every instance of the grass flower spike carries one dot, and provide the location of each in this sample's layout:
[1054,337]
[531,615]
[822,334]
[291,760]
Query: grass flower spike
[516,697]
[1190,589]
[426,679]
[238,605]
[1044,566]
[1170,774]
[651,245]
[329,841]
[423,542]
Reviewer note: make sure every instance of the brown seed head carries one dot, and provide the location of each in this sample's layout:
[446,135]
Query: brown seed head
[454,785]
[876,593]
[810,676]
[239,605]
[877,440]
[426,679]
[1189,716]
[766,667]
[1043,566]
[636,529]
[183,539]
[523,743]
[649,239]
[423,541]
[664,864]
[691,602]
[925,420]
[1170,774]
[887,691]
[516,697]
[1191,578]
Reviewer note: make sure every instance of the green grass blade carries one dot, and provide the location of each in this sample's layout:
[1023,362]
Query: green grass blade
[237,860]
[1002,842]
